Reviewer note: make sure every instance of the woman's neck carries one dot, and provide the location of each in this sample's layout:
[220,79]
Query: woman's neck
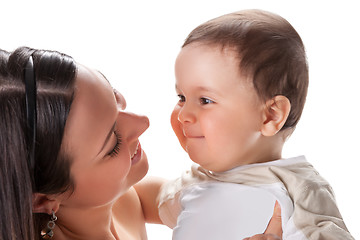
[85,223]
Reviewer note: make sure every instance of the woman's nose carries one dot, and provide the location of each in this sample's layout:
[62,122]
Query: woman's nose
[132,125]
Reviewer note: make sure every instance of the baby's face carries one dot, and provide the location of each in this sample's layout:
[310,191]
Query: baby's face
[219,115]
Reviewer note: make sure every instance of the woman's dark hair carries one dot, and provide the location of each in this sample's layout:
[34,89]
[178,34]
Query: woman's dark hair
[270,52]
[55,75]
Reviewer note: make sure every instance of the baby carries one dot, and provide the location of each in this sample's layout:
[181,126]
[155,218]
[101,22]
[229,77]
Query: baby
[242,81]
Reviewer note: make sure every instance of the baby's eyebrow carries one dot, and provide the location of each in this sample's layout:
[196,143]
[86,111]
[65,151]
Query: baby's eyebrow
[203,89]
[206,89]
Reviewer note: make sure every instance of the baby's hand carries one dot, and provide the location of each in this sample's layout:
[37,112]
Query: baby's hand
[274,229]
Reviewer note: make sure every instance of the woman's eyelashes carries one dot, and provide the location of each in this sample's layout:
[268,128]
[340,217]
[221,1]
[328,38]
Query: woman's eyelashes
[116,148]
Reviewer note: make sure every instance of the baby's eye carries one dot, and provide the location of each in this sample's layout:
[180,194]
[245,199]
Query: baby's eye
[205,101]
[181,98]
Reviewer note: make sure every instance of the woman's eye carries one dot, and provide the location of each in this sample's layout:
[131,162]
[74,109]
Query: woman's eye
[181,98]
[116,148]
[205,101]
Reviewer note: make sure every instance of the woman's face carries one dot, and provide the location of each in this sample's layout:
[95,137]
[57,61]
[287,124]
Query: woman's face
[102,139]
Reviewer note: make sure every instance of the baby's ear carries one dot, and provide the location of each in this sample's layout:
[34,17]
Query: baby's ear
[275,115]
[43,203]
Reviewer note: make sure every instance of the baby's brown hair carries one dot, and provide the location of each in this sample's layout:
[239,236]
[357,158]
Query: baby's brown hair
[270,52]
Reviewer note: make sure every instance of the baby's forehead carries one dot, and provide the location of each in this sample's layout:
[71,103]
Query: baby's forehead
[209,66]
[226,51]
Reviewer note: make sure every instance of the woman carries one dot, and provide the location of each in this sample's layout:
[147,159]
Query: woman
[70,154]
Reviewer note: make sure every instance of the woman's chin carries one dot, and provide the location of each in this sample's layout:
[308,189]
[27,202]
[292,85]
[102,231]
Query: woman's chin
[138,170]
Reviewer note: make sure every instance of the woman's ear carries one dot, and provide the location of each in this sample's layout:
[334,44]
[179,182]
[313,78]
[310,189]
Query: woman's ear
[275,115]
[43,203]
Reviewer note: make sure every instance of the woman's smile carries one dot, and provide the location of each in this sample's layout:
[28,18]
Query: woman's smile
[136,157]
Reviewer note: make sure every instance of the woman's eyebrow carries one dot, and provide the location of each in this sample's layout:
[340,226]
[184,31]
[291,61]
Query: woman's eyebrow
[107,138]
[103,76]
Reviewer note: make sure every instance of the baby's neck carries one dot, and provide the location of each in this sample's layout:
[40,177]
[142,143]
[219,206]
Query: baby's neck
[270,150]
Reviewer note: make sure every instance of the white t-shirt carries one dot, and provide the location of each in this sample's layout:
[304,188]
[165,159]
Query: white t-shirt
[239,203]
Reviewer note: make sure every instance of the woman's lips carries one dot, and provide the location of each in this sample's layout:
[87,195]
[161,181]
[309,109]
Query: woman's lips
[137,155]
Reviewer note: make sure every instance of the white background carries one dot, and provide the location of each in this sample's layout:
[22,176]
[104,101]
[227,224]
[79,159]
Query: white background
[135,43]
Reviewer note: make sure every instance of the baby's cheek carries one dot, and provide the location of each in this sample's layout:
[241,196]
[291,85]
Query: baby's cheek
[177,127]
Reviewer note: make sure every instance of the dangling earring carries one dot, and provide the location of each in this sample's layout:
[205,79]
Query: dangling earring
[47,232]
